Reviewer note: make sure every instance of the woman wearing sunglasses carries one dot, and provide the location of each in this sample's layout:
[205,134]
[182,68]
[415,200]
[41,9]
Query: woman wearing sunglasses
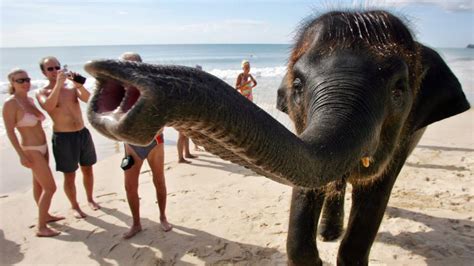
[20,112]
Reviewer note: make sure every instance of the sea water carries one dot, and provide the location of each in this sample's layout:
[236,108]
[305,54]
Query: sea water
[268,65]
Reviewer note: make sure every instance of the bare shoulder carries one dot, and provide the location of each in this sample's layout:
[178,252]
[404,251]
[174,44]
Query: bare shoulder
[9,103]
[45,91]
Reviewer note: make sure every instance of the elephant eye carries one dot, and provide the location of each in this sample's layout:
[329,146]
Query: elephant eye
[297,84]
[397,93]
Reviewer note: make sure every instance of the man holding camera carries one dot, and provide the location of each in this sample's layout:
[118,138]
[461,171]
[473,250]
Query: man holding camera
[72,142]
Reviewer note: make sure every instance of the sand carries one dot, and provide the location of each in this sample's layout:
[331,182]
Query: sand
[225,214]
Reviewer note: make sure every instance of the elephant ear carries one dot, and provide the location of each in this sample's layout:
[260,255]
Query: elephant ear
[440,94]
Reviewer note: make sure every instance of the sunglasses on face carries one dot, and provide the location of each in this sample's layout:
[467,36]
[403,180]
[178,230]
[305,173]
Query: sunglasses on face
[53,68]
[23,80]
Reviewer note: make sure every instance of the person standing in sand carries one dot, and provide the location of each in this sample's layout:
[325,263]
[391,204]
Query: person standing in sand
[154,154]
[245,81]
[20,112]
[183,144]
[196,147]
[72,141]
[183,149]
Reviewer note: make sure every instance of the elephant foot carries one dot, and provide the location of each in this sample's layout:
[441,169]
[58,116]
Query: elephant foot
[332,218]
[352,260]
[330,229]
[298,262]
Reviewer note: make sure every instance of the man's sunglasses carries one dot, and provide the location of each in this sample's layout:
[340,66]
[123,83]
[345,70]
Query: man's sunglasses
[53,68]
[21,81]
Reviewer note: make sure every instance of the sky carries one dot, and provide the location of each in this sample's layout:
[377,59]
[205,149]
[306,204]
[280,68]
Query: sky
[37,23]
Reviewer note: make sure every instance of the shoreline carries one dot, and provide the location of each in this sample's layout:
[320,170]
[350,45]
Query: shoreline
[225,214]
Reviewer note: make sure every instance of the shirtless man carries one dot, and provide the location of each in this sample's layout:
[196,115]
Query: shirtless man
[154,153]
[72,142]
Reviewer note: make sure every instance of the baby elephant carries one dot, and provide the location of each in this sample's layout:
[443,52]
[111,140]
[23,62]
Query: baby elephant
[360,91]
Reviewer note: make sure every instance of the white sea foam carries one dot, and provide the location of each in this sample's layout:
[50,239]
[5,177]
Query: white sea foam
[266,72]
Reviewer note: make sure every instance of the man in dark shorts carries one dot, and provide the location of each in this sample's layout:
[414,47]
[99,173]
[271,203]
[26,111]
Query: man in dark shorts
[72,142]
[72,148]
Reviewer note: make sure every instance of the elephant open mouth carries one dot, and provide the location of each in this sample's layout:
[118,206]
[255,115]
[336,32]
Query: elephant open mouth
[115,98]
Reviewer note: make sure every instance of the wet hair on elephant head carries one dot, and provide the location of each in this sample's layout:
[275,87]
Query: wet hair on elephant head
[360,91]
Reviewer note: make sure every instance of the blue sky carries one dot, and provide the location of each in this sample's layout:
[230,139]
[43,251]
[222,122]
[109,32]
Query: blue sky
[438,23]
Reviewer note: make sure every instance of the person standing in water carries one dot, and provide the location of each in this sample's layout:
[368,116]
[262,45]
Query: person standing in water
[245,81]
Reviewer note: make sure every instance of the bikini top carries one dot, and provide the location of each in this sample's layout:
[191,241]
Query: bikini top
[29,119]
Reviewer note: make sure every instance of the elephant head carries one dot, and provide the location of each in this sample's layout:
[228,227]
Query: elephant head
[357,86]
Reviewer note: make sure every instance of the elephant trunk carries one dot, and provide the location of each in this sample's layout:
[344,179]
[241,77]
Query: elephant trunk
[343,129]
[206,109]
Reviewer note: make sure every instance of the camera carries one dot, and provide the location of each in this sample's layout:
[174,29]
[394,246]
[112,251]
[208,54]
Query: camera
[75,77]
[127,162]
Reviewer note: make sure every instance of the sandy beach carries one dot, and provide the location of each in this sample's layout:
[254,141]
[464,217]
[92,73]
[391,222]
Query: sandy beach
[225,214]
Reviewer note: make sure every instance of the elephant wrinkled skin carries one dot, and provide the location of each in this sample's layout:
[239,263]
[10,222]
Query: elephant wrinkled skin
[360,91]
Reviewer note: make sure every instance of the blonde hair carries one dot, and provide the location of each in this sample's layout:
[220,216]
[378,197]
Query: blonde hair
[131,56]
[12,73]
[244,62]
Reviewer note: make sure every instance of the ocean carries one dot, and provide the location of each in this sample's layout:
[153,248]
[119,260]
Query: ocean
[268,65]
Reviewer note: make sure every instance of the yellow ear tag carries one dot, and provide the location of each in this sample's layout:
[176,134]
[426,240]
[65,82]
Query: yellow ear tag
[365,162]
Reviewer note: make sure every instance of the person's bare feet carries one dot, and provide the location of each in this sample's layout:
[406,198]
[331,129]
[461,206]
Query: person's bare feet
[78,213]
[183,161]
[47,232]
[135,229]
[190,156]
[52,218]
[94,206]
[165,226]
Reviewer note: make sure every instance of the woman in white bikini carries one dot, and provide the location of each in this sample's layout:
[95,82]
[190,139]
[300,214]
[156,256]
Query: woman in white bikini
[20,112]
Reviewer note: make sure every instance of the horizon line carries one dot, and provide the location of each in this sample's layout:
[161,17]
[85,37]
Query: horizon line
[168,44]
[143,44]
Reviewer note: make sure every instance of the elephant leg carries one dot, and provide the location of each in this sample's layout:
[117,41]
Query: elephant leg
[332,219]
[304,214]
[368,207]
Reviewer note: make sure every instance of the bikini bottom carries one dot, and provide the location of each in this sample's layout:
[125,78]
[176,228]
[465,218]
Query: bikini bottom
[41,148]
